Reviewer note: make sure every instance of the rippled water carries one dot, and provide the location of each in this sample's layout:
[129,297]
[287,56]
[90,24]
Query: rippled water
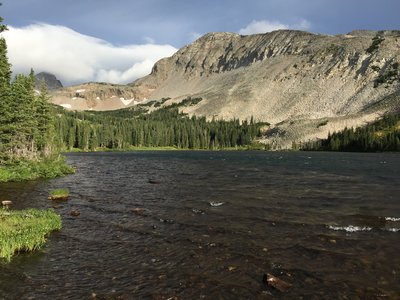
[327,223]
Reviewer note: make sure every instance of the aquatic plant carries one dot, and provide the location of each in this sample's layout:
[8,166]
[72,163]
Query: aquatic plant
[25,230]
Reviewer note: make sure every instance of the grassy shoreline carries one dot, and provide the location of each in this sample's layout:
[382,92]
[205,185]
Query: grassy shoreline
[260,147]
[25,230]
[31,170]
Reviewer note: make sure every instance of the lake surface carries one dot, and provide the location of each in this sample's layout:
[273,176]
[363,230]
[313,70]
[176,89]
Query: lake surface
[327,223]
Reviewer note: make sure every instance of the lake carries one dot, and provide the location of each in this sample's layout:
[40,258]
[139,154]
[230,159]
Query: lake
[209,225]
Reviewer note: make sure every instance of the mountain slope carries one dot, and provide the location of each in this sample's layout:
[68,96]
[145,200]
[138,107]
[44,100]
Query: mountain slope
[284,77]
[95,96]
[294,80]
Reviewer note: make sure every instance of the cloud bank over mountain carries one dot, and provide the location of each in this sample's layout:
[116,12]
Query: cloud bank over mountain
[74,57]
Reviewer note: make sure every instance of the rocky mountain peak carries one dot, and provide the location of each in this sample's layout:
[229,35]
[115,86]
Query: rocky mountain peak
[50,80]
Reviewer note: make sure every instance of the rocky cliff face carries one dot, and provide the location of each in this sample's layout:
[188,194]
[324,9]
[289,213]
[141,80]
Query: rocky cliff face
[304,84]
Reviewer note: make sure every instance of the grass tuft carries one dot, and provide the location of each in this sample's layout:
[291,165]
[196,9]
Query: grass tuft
[59,194]
[25,230]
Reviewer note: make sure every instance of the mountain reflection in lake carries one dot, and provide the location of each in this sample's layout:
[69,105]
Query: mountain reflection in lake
[327,223]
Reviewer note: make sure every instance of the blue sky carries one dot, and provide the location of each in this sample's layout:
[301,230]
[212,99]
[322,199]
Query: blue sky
[165,25]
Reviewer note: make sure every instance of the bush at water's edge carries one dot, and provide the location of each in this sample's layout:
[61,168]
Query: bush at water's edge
[31,170]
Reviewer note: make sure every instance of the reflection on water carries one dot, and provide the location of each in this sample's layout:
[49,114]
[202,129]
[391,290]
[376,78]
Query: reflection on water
[327,223]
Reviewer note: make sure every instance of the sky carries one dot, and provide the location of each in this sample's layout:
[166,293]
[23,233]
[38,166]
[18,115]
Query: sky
[119,41]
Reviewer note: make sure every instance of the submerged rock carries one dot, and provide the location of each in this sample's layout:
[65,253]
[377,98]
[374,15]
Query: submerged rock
[169,221]
[75,213]
[276,282]
[138,211]
[197,211]
[154,181]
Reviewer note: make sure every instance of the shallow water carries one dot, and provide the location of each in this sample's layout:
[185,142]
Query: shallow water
[327,223]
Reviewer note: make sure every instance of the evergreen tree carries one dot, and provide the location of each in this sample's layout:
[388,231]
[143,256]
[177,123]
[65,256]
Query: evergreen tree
[2,26]
[45,138]
[5,105]
[23,121]
[381,135]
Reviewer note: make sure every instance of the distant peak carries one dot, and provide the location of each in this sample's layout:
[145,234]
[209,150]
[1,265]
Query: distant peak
[50,80]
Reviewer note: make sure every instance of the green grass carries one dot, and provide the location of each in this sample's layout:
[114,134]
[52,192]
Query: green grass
[25,230]
[59,194]
[131,148]
[31,170]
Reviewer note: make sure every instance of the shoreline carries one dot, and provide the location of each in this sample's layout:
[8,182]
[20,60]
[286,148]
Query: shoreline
[27,170]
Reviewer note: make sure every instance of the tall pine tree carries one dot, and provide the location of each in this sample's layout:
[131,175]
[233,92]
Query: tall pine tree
[5,100]
[45,139]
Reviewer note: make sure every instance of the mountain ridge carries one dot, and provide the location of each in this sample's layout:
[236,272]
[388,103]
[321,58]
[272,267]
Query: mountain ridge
[282,77]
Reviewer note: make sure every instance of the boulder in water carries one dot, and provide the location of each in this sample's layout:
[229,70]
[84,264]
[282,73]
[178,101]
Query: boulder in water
[7,203]
[276,282]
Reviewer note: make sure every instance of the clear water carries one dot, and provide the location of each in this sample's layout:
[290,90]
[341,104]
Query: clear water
[327,223]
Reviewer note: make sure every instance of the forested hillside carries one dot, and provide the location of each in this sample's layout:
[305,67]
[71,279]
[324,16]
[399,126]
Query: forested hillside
[136,127]
[382,135]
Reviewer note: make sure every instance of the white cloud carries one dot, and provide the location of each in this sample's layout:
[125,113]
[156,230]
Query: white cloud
[76,58]
[264,26]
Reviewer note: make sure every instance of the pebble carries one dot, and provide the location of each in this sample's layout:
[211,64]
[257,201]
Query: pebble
[75,213]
